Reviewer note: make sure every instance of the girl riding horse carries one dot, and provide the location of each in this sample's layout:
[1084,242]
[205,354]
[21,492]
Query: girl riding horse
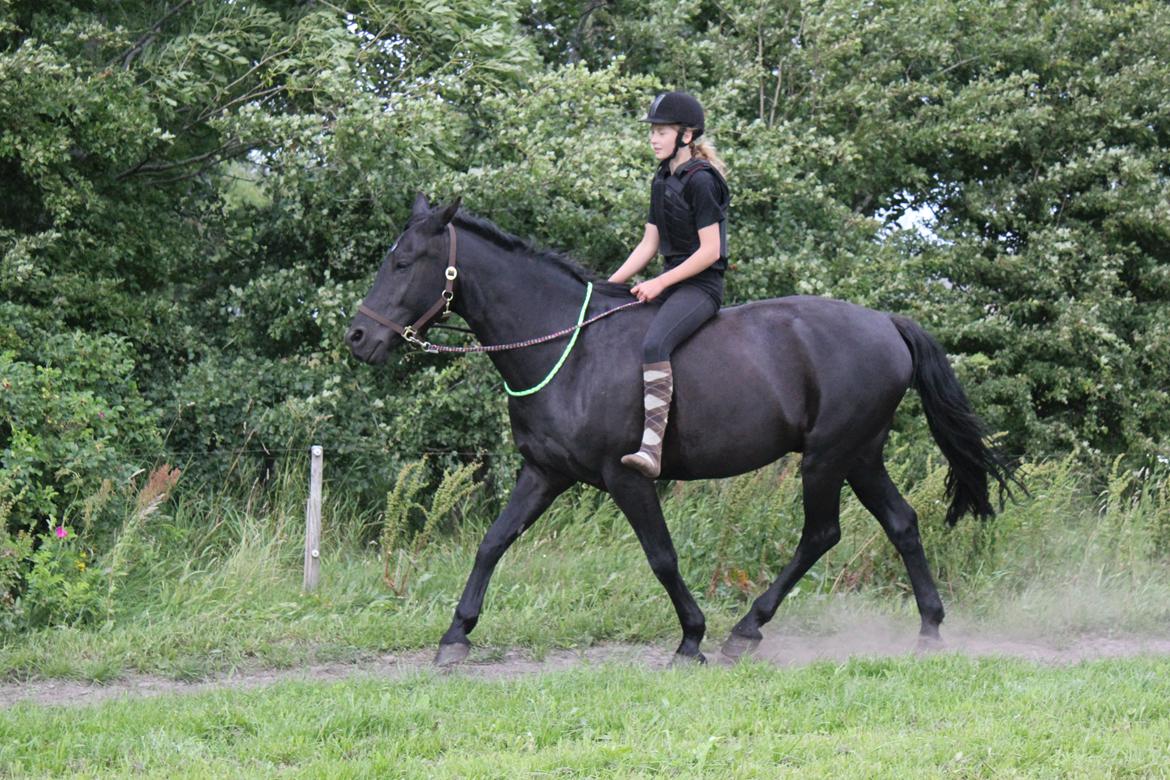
[688,224]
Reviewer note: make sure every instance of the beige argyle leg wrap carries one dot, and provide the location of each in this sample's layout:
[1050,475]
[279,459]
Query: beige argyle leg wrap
[659,385]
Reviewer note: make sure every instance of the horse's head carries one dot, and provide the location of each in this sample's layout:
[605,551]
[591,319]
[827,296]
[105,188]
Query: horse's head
[408,284]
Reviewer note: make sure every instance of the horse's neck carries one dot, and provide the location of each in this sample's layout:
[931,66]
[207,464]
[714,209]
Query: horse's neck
[508,296]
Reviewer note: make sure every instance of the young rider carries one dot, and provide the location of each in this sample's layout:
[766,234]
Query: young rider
[688,224]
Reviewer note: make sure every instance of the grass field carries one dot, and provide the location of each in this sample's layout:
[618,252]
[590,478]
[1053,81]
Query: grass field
[944,716]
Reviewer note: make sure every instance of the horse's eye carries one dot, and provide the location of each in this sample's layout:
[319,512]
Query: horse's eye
[400,264]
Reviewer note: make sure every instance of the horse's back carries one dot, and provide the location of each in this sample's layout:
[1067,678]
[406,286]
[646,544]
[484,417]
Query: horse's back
[783,375]
[834,341]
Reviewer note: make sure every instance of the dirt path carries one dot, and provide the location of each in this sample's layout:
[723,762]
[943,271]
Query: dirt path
[871,637]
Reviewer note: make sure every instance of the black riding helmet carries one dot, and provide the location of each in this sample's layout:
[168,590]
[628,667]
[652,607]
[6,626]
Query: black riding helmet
[677,108]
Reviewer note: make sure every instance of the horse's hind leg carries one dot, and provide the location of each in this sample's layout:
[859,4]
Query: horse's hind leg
[878,494]
[535,489]
[822,529]
[636,497]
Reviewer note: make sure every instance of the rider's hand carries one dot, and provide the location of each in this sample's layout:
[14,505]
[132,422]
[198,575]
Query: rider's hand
[648,290]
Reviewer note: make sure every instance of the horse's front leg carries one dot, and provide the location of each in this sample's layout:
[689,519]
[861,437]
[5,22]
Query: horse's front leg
[535,489]
[636,497]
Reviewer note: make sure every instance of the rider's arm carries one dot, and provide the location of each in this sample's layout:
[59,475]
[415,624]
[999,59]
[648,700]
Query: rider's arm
[641,256]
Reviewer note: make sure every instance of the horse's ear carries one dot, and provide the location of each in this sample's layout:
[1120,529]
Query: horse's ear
[447,214]
[421,206]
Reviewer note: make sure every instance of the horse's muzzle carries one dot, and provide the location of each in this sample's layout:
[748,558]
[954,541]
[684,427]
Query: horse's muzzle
[369,344]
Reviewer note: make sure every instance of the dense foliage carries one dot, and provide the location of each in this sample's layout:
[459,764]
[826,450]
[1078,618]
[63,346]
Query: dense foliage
[196,194]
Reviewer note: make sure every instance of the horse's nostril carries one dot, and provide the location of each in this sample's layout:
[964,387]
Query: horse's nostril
[356,335]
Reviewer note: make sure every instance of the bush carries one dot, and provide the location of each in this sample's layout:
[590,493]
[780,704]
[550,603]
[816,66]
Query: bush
[61,585]
[69,422]
[14,552]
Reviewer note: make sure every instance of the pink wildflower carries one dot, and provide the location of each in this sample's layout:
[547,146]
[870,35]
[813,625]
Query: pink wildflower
[61,532]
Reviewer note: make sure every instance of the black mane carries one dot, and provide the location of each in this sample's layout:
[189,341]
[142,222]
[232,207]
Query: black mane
[487,229]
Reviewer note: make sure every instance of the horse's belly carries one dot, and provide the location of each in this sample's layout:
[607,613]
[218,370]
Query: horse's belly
[730,427]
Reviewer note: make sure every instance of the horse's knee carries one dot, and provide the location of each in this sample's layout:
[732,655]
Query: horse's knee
[664,563]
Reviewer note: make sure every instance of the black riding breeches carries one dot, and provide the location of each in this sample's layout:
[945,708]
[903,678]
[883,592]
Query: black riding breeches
[680,316]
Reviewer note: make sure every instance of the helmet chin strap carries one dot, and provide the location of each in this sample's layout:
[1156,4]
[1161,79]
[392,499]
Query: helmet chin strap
[678,144]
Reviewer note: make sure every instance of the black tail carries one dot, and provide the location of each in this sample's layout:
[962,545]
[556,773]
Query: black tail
[956,428]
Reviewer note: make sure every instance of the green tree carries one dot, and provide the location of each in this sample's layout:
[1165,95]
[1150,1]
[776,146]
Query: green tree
[198,193]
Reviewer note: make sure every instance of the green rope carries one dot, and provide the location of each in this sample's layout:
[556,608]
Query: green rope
[564,355]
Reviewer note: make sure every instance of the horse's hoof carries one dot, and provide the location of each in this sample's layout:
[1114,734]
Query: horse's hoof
[452,654]
[929,643]
[680,661]
[738,646]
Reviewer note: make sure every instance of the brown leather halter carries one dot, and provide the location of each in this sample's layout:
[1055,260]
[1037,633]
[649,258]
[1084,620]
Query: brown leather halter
[413,333]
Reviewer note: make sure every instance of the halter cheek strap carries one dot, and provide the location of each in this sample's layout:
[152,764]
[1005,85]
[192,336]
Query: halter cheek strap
[441,308]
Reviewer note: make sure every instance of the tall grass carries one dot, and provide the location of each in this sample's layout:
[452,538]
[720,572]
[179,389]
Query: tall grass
[215,579]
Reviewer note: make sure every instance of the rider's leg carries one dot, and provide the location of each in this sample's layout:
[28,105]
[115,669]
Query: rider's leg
[680,316]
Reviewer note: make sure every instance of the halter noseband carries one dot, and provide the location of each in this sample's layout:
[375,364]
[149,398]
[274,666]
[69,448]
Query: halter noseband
[441,308]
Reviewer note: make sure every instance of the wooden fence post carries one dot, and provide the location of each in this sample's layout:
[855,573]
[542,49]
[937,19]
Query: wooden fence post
[313,520]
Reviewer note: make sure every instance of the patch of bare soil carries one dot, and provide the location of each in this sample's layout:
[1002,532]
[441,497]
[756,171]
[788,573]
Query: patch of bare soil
[877,637]
[486,663]
[864,637]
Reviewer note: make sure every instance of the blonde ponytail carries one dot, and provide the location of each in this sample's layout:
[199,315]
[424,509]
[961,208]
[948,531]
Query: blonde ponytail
[705,149]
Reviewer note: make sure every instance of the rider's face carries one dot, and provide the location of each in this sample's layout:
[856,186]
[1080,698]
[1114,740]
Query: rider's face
[662,139]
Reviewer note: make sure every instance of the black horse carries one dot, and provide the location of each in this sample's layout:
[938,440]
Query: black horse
[801,374]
